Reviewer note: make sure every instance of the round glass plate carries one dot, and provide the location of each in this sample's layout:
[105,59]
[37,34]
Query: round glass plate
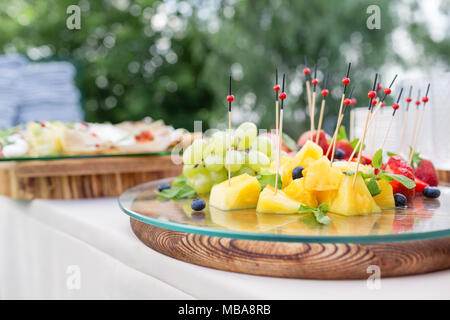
[423,219]
[87,156]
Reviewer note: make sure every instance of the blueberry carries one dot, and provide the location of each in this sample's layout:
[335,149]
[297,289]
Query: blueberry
[299,148]
[163,186]
[339,154]
[297,173]
[400,200]
[431,192]
[198,204]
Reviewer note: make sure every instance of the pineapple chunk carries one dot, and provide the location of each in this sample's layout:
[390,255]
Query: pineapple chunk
[269,202]
[386,198]
[351,166]
[325,196]
[320,176]
[353,200]
[308,153]
[242,193]
[296,190]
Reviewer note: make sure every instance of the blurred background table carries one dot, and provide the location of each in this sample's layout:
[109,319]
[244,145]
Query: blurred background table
[44,244]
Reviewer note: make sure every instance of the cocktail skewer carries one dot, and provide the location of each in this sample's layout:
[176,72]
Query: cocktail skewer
[347,102]
[372,94]
[416,117]
[276,88]
[230,99]
[387,91]
[405,119]
[324,94]
[345,81]
[314,82]
[395,106]
[282,97]
[419,124]
[306,72]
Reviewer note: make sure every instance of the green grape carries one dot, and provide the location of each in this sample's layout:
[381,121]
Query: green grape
[189,170]
[194,153]
[214,162]
[201,182]
[246,134]
[244,169]
[258,160]
[234,159]
[219,176]
[262,144]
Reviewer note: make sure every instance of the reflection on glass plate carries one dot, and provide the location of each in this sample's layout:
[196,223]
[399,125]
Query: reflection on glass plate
[423,219]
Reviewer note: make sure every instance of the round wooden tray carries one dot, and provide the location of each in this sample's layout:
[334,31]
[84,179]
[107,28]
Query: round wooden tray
[298,260]
[399,242]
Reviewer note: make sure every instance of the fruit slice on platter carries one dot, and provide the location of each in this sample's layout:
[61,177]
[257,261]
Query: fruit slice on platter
[385,199]
[307,154]
[323,139]
[296,190]
[353,200]
[271,202]
[320,176]
[240,192]
[325,196]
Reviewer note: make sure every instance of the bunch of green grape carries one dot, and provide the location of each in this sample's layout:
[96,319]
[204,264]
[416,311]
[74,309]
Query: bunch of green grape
[206,160]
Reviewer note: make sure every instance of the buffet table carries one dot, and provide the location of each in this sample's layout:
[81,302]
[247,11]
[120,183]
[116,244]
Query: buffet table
[85,249]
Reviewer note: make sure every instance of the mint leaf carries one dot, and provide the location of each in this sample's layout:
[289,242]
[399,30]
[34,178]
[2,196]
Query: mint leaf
[319,213]
[322,218]
[342,135]
[407,182]
[367,175]
[179,181]
[177,193]
[377,159]
[415,158]
[391,154]
[349,173]
[372,185]
[266,178]
[289,142]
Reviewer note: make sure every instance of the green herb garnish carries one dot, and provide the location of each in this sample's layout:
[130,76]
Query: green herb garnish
[319,212]
[266,178]
[372,185]
[179,190]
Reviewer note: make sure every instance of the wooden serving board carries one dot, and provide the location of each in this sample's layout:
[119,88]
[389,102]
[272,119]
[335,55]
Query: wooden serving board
[81,177]
[298,260]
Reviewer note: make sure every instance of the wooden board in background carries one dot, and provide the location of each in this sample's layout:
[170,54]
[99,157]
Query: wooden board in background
[81,178]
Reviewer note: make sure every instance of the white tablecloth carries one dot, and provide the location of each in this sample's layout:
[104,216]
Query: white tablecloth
[82,249]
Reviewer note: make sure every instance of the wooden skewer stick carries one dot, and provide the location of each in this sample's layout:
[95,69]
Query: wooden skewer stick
[337,126]
[324,94]
[276,88]
[419,124]
[373,116]
[345,81]
[282,97]
[395,106]
[365,126]
[230,99]
[405,119]
[347,102]
[313,105]
[416,118]
[306,72]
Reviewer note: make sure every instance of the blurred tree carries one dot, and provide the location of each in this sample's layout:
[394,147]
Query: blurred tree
[171,59]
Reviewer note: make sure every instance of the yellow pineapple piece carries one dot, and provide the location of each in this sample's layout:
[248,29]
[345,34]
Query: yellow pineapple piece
[385,199]
[296,190]
[325,196]
[308,153]
[269,202]
[320,176]
[351,166]
[287,164]
[353,200]
[241,193]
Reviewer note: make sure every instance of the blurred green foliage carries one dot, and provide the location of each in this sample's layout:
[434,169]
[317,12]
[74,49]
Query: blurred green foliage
[171,59]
